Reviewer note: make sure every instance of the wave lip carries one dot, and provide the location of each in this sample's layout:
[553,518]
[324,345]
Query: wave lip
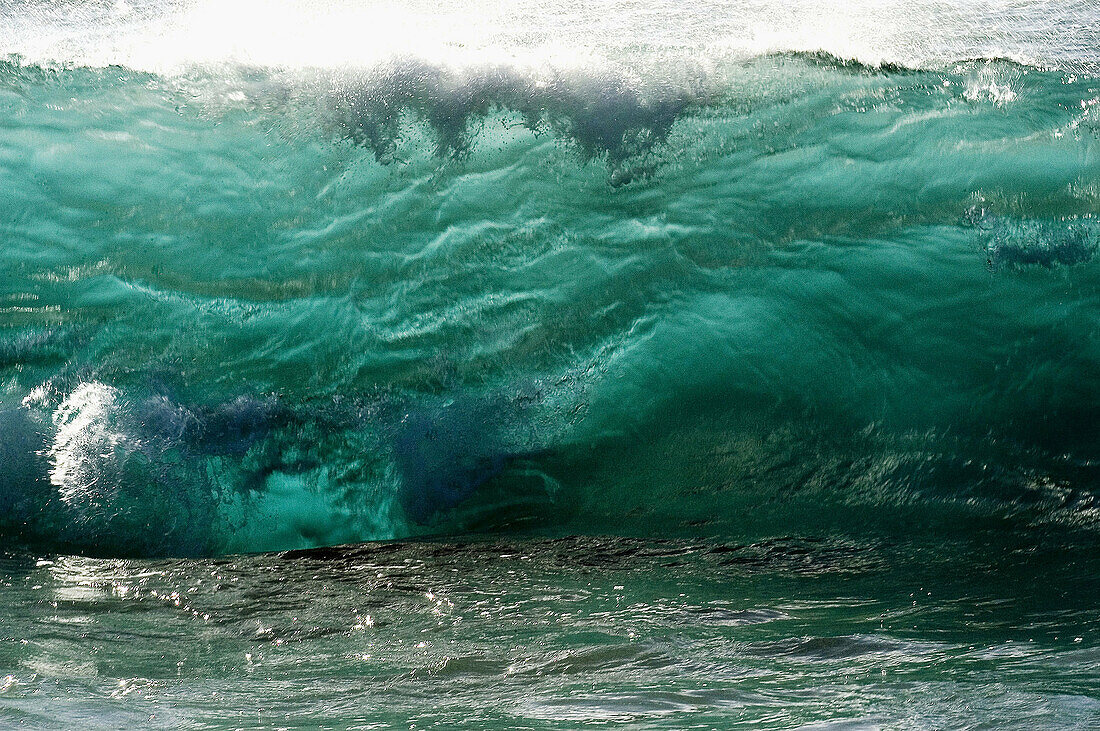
[169,35]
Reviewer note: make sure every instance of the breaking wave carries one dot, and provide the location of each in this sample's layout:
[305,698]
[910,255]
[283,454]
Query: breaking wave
[252,307]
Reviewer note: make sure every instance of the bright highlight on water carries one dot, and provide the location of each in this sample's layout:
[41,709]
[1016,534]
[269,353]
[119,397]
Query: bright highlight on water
[716,364]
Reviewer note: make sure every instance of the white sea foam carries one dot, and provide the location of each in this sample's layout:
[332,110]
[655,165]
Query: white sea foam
[84,443]
[167,35]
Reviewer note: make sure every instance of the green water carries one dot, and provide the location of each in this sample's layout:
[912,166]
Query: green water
[681,385]
[537,634]
[261,311]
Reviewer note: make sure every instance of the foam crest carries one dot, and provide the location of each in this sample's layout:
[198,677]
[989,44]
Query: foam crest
[168,35]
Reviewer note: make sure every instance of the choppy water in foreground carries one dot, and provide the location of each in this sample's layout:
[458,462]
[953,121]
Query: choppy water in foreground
[535,633]
[791,314]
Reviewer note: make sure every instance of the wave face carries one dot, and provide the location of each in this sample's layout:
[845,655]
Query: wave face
[250,307]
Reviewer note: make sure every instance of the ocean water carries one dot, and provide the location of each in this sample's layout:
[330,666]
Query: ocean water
[710,365]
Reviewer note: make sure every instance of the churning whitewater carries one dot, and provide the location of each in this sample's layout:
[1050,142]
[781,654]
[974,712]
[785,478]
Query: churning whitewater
[257,302]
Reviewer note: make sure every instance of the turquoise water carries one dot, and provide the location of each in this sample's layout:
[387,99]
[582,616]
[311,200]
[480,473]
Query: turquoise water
[710,368]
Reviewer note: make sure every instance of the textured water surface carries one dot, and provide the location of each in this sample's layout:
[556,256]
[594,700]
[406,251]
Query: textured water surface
[797,307]
[787,633]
